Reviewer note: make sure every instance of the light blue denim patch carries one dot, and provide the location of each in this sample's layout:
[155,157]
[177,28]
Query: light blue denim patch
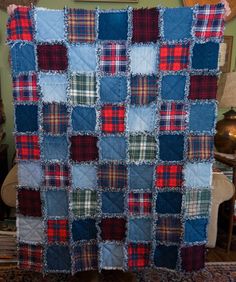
[195,230]
[113,89]
[49,25]
[141,118]
[58,258]
[112,255]
[140,229]
[177,23]
[55,148]
[84,176]
[53,87]
[198,175]
[56,203]
[83,119]
[30,230]
[82,58]
[140,177]
[143,59]
[30,174]
[113,148]
[112,202]
[173,87]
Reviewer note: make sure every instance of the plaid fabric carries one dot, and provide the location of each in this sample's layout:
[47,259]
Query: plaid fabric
[113,228]
[138,255]
[113,119]
[85,257]
[56,175]
[30,257]
[169,176]
[197,202]
[143,89]
[200,147]
[20,25]
[27,147]
[25,200]
[81,25]
[113,58]
[25,88]
[142,148]
[52,57]
[174,57]
[58,230]
[145,25]
[209,21]
[84,203]
[55,118]
[169,229]
[203,87]
[83,89]
[140,203]
[84,148]
[112,176]
[193,258]
[172,117]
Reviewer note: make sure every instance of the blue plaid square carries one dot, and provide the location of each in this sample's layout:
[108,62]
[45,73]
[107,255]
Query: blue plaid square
[85,257]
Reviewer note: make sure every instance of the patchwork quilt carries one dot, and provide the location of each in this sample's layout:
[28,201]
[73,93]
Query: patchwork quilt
[114,123]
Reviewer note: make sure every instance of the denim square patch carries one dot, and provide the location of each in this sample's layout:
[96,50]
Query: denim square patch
[84,176]
[113,89]
[166,256]
[30,230]
[140,229]
[84,229]
[83,119]
[171,147]
[195,230]
[82,58]
[30,174]
[55,148]
[112,202]
[58,258]
[173,87]
[141,177]
[113,148]
[56,203]
[26,118]
[168,202]
[112,255]
[203,172]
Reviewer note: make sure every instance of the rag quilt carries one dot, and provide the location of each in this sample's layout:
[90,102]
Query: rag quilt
[114,123]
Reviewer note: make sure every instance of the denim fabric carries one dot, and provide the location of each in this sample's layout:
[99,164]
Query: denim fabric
[30,230]
[169,202]
[177,23]
[173,87]
[198,175]
[143,59]
[113,26]
[141,176]
[166,256]
[195,230]
[58,258]
[113,89]
[84,176]
[112,255]
[84,119]
[113,148]
[30,174]
[53,87]
[112,202]
[82,58]
[23,57]
[49,25]
[26,118]
[84,229]
[205,56]
[202,117]
[171,147]
[140,229]
[141,118]
[56,203]
[55,148]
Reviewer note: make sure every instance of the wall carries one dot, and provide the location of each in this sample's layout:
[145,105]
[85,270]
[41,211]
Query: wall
[6,86]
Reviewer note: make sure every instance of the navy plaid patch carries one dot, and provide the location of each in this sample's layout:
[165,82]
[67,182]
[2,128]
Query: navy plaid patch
[173,117]
[56,175]
[85,257]
[169,229]
[200,147]
[112,176]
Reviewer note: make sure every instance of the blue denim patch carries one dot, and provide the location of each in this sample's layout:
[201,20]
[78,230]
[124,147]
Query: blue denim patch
[55,148]
[141,119]
[140,229]
[26,118]
[56,203]
[83,119]
[82,58]
[113,89]
[168,202]
[84,176]
[113,148]
[112,255]
[23,57]
[58,258]
[84,229]
[173,87]
[30,174]
[171,147]
[49,25]
[202,117]
[141,176]
[53,87]
[195,230]
[112,202]
[30,229]
[113,26]
[198,175]
[177,23]
[205,56]
[166,256]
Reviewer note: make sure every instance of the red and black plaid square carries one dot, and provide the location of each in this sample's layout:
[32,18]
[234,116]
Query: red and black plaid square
[113,119]
[113,228]
[203,87]
[58,230]
[169,176]
[25,88]
[56,175]
[30,257]
[27,147]
[25,199]
[140,203]
[193,258]
[138,255]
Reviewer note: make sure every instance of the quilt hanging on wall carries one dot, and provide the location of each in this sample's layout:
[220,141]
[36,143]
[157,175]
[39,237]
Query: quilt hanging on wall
[114,123]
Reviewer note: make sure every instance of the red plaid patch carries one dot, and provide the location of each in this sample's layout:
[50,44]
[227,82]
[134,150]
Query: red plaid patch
[140,203]
[113,228]
[138,255]
[27,147]
[30,257]
[58,230]
[113,119]
[25,199]
[56,175]
[169,176]
[203,87]
[25,88]
[193,258]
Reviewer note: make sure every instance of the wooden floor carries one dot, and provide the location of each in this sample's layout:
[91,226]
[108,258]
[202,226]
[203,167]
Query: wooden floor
[219,254]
